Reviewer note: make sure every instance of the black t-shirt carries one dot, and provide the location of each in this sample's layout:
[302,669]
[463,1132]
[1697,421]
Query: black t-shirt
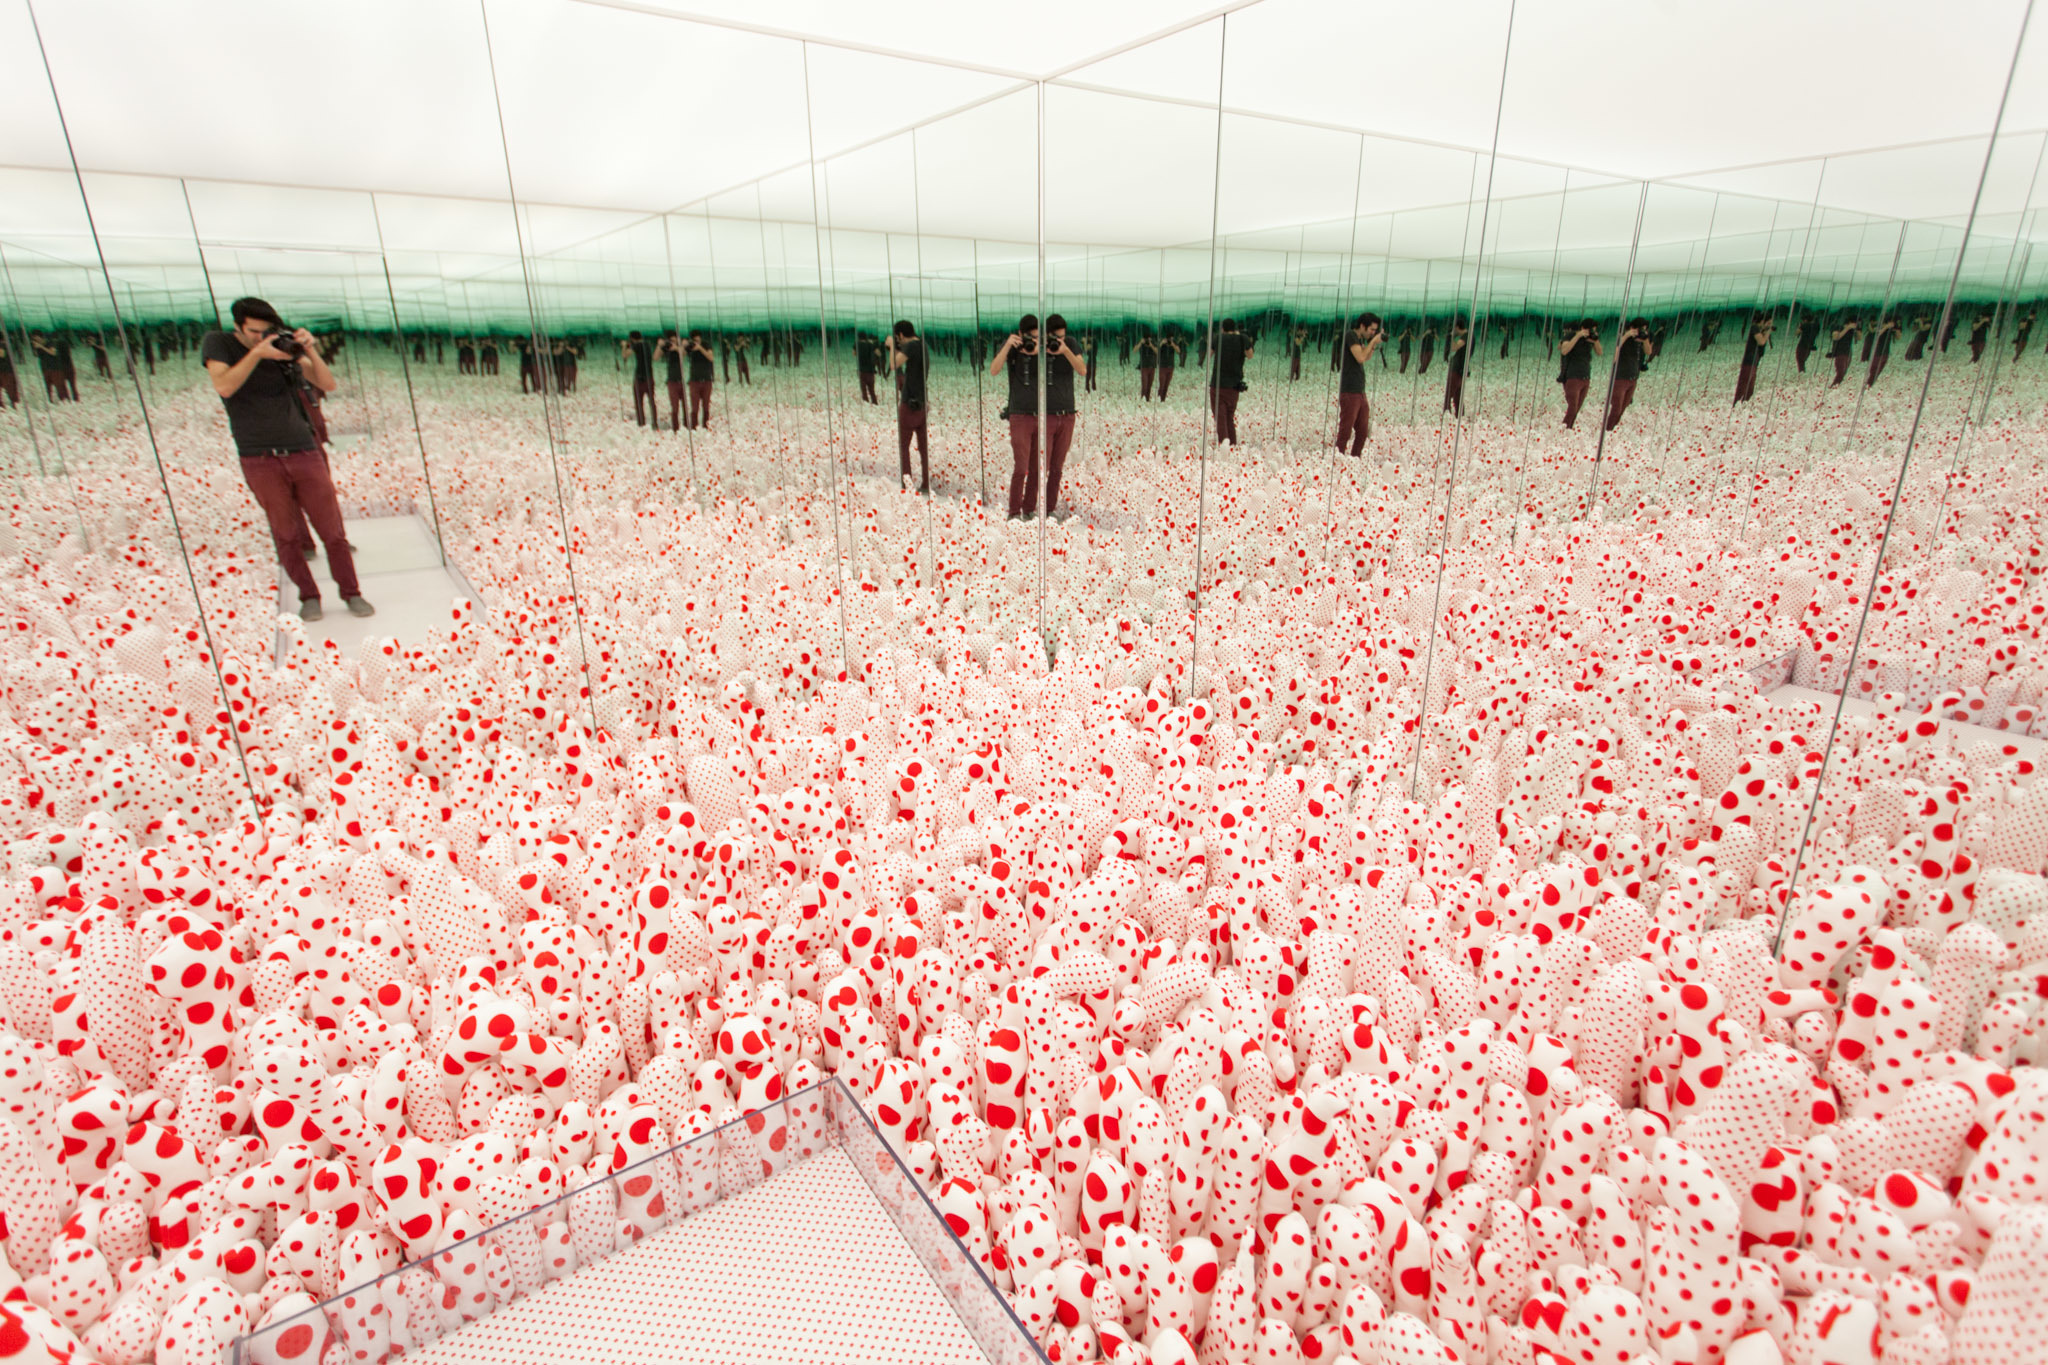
[911,376]
[1980,331]
[675,366]
[1023,372]
[1578,361]
[1845,344]
[1230,349]
[1457,355]
[1167,355]
[1350,374]
[702,367]
[1629,360]
[865,356]
[1809,332]
[643,361]
[1753,350]
[1059,386]
[265,413]
[1148,355]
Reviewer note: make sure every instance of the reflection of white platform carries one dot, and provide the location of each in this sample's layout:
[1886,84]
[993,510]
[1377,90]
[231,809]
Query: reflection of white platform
[804,1267]
[1959,735]
[398,564]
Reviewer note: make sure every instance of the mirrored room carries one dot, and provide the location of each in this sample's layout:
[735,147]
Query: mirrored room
[1173,683]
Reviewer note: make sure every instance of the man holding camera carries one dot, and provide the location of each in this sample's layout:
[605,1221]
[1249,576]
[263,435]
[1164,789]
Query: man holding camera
[1354,414]
[703,368]
[867,357]
[1632,354]
[257,370]
[1019,355]
[1753,348]
[906,360]
[1575,367]
[1843,349]
[1226,379]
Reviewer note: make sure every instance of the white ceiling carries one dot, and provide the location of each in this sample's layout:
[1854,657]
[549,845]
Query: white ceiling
[613,109]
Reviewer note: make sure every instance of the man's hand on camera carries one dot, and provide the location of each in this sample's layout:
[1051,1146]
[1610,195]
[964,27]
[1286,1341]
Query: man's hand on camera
[305,339]
[267,348]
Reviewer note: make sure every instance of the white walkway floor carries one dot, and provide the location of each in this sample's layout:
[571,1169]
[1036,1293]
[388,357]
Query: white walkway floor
[399,568]
[804,1267]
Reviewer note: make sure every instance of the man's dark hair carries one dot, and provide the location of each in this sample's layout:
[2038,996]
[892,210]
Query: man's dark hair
[632,336]
[670,332]
[696,334]
[1028,323]
[241,310]
[905,328]
[1639,323]
[1055,323]
[1230,324]
[1366,320]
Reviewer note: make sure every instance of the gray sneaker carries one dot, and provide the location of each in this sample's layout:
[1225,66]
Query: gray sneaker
[358,606]
[309,609]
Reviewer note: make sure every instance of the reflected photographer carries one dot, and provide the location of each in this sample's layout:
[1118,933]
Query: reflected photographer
[259,370]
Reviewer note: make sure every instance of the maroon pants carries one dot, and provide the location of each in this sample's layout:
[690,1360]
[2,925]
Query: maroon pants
[1224,403]
[1145,382]
[1294,367]
[1454,392]
[1165,381]
[1354,422]
[746,375]
[1801,355]
[1623,394]
[1841,367]
[700,404]
[288,487]
[1574,398]
[643,399]
[909,424]
[1024,460]
[867,387]
[675,405]
[529,378]
[1745,383]
[1877,364]
[11,386]
[1976,354]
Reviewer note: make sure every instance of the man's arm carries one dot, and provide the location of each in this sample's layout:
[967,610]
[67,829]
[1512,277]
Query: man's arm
[228,379]
[312,365]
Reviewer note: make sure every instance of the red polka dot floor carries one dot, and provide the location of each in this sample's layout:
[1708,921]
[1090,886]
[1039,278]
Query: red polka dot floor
[637,723]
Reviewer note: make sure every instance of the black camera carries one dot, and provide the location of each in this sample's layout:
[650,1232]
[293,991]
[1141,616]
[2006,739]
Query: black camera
[284,341]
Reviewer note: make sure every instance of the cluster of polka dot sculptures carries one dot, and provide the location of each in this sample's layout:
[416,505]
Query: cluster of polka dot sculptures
[1378,968]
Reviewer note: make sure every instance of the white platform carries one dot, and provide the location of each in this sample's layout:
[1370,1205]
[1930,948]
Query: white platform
[805,1267]
[398,565]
